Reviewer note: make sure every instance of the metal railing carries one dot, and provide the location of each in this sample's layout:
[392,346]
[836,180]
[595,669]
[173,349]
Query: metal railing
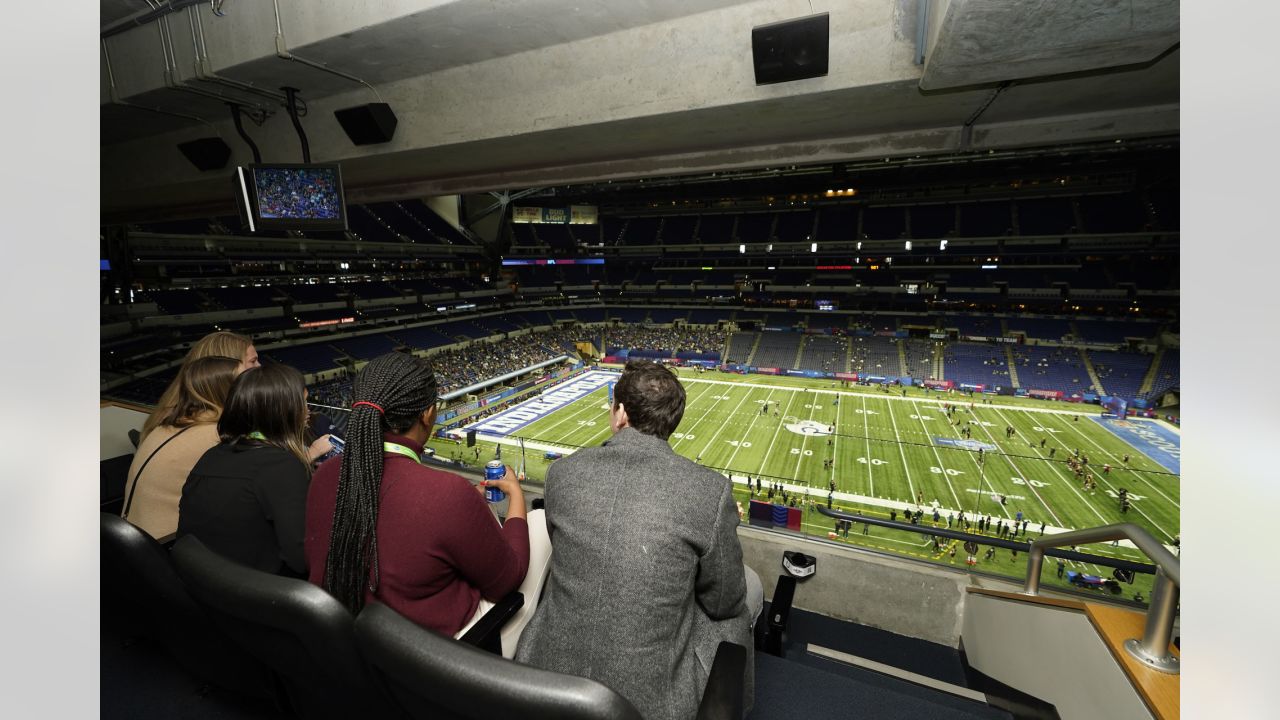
[1153,648]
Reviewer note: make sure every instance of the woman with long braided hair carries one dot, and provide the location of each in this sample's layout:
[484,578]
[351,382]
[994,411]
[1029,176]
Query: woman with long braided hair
[381,526]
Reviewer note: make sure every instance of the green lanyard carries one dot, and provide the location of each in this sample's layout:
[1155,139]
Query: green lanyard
[257,436]
[401,450]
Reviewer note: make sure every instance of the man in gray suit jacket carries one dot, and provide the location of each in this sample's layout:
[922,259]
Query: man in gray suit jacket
[646,570]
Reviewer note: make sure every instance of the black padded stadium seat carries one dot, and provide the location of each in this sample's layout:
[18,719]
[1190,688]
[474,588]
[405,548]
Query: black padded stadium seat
[141,589]
[296,628]
[431,676]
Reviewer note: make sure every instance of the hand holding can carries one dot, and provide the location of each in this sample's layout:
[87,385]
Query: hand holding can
[494,472]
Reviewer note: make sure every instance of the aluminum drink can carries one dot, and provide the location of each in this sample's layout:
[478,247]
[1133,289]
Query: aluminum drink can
[494,470]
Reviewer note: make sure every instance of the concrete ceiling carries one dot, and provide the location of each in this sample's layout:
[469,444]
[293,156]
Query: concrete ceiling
[509,94]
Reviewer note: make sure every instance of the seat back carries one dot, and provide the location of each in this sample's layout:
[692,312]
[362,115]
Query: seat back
[302,632]
[431,676]
[140,588]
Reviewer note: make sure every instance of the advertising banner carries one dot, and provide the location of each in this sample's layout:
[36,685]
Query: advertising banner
[847,376]
[1045,394]
[939,384]
[583,214]
[526,214]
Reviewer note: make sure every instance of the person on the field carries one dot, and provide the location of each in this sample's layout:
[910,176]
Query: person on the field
[644,613]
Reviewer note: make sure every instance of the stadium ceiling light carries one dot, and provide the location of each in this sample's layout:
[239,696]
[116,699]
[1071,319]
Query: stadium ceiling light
[859,244]
[942,244]
[908,244]
[742,249]
[813,247]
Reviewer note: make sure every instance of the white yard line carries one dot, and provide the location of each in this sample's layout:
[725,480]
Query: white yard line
[1025,478]
[896,398]
[755,416]
[804,440]
[866,432]
[983,481]
[906,466]
[721,426]
[835,442]
[781,417]
[941,465]
[699,420]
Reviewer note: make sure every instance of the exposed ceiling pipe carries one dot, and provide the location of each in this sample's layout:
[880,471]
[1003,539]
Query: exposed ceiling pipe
[282,52]
[171,77]
[143,17]
[204,68]
[115,97]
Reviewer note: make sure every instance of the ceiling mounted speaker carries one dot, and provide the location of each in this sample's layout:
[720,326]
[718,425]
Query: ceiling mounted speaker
[791,49]
[367,124]
[209,153]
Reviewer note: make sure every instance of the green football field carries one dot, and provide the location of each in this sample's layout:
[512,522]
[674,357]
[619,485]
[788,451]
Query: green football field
[889,453]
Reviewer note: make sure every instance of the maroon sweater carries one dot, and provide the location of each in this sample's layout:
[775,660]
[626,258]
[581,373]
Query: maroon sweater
[440,549]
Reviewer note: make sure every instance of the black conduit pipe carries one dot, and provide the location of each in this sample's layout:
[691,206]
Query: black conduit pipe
[291,94]
[235,117]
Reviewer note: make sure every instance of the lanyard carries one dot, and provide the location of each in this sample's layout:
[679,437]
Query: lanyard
[257,436]
[401,450]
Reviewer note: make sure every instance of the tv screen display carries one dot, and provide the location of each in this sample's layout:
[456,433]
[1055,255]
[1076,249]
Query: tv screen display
[292,197]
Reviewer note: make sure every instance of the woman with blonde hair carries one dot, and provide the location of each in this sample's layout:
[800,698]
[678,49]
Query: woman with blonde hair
[222,344]
[182,434]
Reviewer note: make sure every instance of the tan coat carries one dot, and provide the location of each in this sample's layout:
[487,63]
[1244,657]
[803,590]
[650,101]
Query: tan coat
[154,507]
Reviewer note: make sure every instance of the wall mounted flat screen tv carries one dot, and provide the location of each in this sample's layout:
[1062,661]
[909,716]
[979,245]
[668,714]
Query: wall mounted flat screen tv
[290,196]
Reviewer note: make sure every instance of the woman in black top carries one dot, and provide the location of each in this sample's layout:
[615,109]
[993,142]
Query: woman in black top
[246,497]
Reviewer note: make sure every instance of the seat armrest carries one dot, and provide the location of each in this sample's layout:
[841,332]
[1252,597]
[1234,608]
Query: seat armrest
[722,698]
[486,634]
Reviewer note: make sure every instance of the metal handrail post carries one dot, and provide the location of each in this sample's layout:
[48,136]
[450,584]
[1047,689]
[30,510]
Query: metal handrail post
[1153,648]
[1035,561]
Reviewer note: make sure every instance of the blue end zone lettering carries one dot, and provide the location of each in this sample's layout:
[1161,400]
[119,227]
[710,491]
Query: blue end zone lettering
[1149,438]
[508,421]
[964,444]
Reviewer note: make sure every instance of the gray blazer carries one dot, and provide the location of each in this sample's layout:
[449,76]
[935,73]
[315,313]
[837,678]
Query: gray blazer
[646,575]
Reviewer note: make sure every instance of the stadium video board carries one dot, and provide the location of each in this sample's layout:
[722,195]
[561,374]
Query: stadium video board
[291,196]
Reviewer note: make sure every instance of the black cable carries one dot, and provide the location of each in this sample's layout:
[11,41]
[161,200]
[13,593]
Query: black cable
[235,117]
[291,96]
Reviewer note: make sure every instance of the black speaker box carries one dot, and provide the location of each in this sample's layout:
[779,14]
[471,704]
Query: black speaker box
[209,153]
[367,124]
[471,438]
[791,49]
